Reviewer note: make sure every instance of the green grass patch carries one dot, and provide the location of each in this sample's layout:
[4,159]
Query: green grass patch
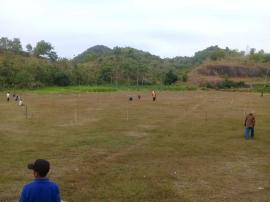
[103,88]
[71,89]
[261,87]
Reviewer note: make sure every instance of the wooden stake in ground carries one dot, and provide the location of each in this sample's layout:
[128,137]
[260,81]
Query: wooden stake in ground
[127,109]
[76,111]
[265,82]
[76,116]
[129,101]
[127,113]
[26,112]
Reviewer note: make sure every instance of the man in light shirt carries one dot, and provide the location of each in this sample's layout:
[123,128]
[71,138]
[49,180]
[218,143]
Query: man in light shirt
[20,102]
[8,96]
[154,95]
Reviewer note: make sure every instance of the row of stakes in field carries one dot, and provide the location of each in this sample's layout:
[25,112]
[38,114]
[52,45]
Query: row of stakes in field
[20,103]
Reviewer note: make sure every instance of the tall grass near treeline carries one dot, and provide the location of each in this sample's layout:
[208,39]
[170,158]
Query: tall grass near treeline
[105,88]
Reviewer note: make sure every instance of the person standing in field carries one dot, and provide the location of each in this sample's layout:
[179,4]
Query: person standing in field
[41,189]
[8,96]
[154,95]
[249,126]
[20,102]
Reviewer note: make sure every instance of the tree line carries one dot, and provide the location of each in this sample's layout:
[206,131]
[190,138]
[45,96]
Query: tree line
[40,66]
[42,48]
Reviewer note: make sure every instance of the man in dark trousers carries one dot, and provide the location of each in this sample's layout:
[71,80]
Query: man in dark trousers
[249,124]
[154,95]
[8,96]
[41,189]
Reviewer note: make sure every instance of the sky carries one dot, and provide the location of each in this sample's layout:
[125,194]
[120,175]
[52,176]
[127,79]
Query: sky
[166,28]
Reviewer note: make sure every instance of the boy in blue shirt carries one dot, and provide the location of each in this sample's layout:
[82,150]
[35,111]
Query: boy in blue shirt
[41,189]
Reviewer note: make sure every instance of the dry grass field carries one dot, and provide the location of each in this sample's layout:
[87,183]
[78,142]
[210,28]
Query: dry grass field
[187,146]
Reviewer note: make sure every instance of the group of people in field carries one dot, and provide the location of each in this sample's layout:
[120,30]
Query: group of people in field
[17,98]
[154,96]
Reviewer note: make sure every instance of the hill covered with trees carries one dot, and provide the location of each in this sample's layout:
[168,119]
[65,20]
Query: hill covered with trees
[40,66]
[92,53]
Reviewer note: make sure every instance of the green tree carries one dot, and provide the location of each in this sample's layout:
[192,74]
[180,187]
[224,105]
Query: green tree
[52,55]
[266,57]
[218,54]
[117,52]
[170,78]
[106,74]
[5,43]
[61,78]
[13,45]
[44,48]
[185,77]
[24,79]
[252,51]
[128,70]
[16,45]
[29,48]
[7,74]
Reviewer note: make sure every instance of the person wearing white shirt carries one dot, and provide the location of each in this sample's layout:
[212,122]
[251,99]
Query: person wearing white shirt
[8,96]
[20,102]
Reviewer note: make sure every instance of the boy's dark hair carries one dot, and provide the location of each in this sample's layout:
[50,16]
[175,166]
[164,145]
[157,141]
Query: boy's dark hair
[41,166]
